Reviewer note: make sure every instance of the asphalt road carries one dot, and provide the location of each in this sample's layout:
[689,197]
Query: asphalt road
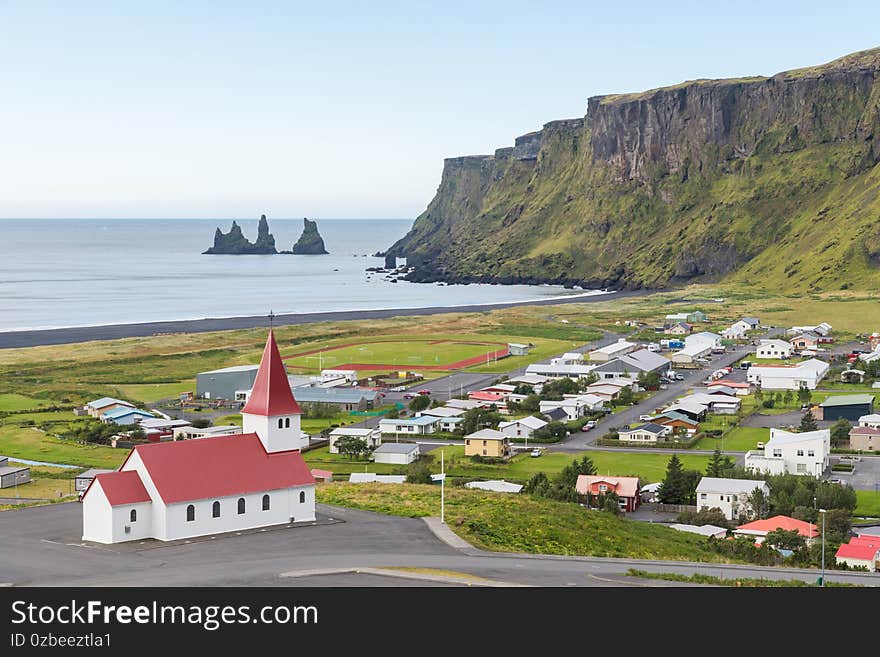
[41,546]
[13,339]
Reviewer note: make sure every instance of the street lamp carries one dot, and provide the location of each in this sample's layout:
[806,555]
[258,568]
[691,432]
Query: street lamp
[822,580]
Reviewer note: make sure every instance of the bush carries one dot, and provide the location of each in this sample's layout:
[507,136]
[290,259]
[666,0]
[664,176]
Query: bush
[713,516]
[201,423]
[768,403]
[843,467]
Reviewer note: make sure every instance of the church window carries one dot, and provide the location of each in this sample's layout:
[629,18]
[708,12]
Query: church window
[133,516]
[241,505]
[287,423]
[190,513]
[281,423]
[265,502]
[302,497]
[215,511]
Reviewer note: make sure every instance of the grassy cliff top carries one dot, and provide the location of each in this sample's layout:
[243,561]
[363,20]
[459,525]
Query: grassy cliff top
[854,61]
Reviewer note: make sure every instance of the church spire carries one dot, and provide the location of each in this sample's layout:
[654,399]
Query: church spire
[271,395]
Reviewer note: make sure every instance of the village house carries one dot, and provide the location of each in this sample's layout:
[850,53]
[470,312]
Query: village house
[633,364]
[678,422]
[613,350]
[758,529]
[740,388]
[125,416]
[691,409]
[691,354]
[570,358]
[774,349]
[860,552]
[418,426]
[396,453]
[729,495]
[487,442]
[872,420]
[788,377]
[560,371]
[738,330]
[448,418]
[803,453]
[372,437]
[522,428]
[104,405]
[864,439]
[176,490]
[682,328]
[575,406]
[190,432]
[646,433]
[626,489]
[806,340]
[535,381]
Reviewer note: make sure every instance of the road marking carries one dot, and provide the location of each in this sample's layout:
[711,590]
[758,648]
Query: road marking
[390,571]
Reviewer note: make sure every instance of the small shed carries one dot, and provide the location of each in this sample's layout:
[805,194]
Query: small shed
[14,475]
[82,480]
[322,476]
[518,349]
[396,453]
[848,407]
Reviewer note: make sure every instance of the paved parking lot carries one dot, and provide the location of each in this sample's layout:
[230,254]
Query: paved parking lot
[866,475]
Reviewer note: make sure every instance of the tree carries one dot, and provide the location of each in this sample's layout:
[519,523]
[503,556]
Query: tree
[719,465]
[352,446]
[713,516]
[419,403]
[392,414]
[785,540]
[649,380]
[672,489]
[538,485]
[418,473]
[804,395]
[808,422]
[611,504]
[759,393]
[554,390]
[788,397]
[524,389]
[626,397]
[553,429]
[759,503]
[531,403]
[588,380]
[475,419]
[201,423]
[840,432]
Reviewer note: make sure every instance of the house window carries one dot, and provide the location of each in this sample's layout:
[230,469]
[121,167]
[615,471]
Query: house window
[800,452]
[215,510]
[485,443]
[484,452]
[811,452]
[801,468]
[302,497]
[190,513]
[603,487]
[287,423]
[703,496]
[777,453]
[265,502]
[133,516]
[241,504]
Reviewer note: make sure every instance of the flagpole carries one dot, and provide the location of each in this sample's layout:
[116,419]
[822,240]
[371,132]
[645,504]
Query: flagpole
[442,489]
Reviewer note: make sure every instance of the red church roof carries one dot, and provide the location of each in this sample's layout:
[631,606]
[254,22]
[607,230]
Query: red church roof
[271,393]
[122,487]
[218,467]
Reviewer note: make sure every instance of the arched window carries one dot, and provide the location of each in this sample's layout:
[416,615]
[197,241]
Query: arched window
[241,505]
[265,502]
[190,513]
[215,510]
[302,497]
[133,516]
[287,423]
[281,423]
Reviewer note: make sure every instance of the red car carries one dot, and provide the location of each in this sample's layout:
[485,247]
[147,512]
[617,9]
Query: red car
[424,392]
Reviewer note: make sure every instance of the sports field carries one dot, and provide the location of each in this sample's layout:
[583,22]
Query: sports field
[391,354]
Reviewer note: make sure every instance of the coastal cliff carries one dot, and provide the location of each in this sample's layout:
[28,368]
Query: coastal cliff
[310,242]
[770,181]
[235,243]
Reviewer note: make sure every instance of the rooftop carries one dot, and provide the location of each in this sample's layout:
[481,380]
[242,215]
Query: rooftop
[733,486]
[625,486]
[805,529]
[420,421]
[271,394]
[847,400]
[370,478]
[234,368]
[487,434]
[396,448]
[107,401]
[121,487]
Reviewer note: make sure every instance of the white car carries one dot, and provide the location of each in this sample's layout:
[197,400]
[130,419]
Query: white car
[398,389]
[536,453]
[645,418]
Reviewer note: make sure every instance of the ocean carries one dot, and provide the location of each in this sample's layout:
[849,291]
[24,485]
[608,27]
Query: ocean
[57,273]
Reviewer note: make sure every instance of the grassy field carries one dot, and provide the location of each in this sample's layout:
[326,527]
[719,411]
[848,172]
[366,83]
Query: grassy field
[153,392]
[737,582]
[16,402]
[400,352]
[505,523]
[868,503]
[45,484]
[738,439]
[32,444]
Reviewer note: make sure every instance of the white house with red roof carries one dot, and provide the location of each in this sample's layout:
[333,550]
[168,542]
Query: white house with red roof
[182,489]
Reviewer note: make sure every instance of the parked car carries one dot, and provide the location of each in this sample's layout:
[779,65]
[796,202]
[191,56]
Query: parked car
[424,392]
[409,395]
[645,418]
[536,453]
[759,445]
[590,425]
[398,389]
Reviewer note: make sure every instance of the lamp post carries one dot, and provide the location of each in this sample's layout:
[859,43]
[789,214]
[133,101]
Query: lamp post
[822,511]
[442,489]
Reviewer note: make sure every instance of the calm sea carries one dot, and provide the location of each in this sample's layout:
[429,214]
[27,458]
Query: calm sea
[72,272]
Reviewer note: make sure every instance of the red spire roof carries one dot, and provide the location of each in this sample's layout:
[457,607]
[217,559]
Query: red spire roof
[271,394]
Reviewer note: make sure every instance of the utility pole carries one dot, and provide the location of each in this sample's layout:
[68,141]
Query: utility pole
[822,511]
[442,489]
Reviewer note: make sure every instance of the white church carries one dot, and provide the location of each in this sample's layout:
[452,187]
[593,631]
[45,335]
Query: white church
[183,489]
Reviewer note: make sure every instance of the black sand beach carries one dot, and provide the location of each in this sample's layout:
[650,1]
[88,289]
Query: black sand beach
[15,339]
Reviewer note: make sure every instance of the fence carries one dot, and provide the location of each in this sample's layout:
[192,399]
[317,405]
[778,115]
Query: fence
[673,508]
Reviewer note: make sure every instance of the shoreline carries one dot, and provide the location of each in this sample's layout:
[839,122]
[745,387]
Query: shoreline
[72,335]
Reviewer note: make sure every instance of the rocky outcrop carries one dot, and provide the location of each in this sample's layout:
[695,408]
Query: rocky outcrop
[703,180]
[310,242]
[235,243]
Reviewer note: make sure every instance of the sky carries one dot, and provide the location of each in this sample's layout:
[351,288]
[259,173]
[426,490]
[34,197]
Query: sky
[339,109]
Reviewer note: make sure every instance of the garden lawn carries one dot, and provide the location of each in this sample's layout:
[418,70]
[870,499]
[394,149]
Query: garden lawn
[45,484]
[56,417]
[868,503]
[32,444]
[520,523]
[738,439]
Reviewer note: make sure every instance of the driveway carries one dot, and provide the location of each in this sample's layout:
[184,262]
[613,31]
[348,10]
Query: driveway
[866,475]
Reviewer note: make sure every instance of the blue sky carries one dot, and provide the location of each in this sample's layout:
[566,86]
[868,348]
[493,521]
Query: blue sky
[339,109]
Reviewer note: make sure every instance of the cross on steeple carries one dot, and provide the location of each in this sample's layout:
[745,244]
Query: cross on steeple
[271,320]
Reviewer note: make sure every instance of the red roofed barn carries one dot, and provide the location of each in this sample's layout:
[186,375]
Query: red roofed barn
[182,489]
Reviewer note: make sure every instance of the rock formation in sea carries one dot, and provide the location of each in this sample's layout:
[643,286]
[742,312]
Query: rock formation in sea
[310,242]
[235,243]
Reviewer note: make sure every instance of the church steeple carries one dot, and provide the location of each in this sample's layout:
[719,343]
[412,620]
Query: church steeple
[271,410]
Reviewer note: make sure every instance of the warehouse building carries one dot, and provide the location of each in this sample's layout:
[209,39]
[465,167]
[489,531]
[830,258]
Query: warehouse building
[224,383]
[847,407]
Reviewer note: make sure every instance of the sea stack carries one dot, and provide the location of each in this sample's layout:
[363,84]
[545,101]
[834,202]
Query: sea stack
[310,242]
[235,243]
